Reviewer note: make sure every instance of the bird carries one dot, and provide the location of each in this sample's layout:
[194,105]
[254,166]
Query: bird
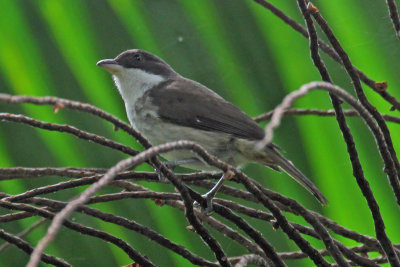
[165,106]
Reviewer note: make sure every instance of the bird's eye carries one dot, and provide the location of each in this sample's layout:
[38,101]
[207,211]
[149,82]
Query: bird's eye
[137,57]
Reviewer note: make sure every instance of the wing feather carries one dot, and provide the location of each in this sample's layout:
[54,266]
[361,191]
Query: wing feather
[188,103]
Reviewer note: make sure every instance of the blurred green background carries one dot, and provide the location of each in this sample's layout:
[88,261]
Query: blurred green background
[237,48]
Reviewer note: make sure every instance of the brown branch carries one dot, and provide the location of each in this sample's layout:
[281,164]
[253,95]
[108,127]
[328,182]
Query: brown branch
[106,179]
[133,254]
[26,172]
[386,144]
[372,203]
[60,103]
[130,225]
[264,252]
[67,129]
[383,137]
[173,196]
[322,113]
[24,233]
[27,248]
[336,103]
[236,194]
[329,51]
[234,235]
[394,15]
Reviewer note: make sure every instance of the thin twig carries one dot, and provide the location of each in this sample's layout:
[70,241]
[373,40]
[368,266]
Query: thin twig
[320,65]
[26,172]
[271,200]
[372,203]
[27,248]
[67,129]
[320,112]
[382,136]
[133,254]
[392,165]
[394,15]
[131,225]
[60,103]
[24,233]
[329,51]
[106,179]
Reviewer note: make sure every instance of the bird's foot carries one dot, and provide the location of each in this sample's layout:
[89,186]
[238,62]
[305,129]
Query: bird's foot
[208,197]
[208,209]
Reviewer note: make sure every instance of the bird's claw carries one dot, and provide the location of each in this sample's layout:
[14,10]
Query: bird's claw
[208,209]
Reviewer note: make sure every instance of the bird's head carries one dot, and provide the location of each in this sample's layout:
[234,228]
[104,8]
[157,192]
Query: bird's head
[136,68]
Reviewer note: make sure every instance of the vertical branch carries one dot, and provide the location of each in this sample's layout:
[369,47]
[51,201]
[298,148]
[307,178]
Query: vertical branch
[389,157]
[329,51]
[319,64]
[247,228]
[394,15]
[292,233]
[372,203]
[392,166]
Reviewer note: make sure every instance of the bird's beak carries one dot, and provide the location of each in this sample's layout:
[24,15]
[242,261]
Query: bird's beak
[110,65]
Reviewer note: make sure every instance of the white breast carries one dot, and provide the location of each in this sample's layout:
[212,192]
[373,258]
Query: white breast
[132,84]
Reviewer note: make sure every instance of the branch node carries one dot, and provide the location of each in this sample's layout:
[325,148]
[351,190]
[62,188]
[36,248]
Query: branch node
[58,106]
[229,174]
[311,8]
[381,86]
[159,202]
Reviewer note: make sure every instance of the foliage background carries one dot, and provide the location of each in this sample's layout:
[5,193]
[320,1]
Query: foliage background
[238,49]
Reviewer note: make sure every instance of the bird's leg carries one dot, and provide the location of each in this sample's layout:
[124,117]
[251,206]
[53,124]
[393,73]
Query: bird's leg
[172,165]
[208,210]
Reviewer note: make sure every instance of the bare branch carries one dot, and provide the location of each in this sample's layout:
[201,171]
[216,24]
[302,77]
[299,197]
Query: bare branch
[24,233]
[60,103]
[263,253]
[106,179]
[319,112]
[331,52]
[394,15]
[133,254]
[27,248]
[67,129]
[288,101]
[389,159]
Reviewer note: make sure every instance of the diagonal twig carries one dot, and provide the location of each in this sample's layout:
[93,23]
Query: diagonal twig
[27,248]
[394,15]
[376,86]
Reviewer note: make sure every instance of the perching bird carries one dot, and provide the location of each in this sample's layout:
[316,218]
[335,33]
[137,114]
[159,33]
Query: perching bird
[166,107]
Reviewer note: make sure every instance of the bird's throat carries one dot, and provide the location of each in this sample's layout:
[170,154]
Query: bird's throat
[133,83]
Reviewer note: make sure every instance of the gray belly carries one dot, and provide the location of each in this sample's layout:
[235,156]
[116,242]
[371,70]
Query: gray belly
[224,146]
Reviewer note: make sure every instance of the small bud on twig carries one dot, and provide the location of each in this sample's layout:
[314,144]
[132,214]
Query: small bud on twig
[381,86]
[57,106]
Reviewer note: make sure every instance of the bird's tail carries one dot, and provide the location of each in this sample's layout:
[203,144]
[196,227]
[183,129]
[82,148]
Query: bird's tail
[295,173]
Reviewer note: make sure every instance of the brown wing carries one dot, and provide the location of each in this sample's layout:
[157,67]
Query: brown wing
[191,104]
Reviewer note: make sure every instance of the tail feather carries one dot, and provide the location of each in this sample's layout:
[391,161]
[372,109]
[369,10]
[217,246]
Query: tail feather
[296,174]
